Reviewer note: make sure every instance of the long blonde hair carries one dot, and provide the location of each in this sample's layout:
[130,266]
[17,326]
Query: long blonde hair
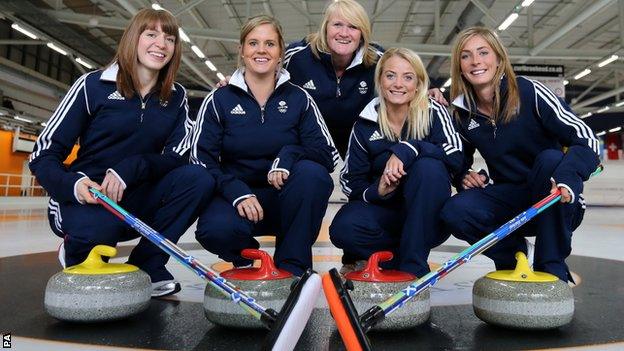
[418,119]
[353,12]
[505,107]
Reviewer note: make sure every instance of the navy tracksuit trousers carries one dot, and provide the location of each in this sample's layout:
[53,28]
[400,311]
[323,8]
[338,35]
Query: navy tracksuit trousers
[169,205]
[475,213]
[293,214]
[406,224]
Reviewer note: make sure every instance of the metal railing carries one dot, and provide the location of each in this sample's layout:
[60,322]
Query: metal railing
[20,185]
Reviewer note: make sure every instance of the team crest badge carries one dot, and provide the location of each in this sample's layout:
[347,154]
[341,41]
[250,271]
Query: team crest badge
[282,107]
[363,87]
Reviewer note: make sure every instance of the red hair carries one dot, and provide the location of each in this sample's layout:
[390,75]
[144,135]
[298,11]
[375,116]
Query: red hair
[127,57]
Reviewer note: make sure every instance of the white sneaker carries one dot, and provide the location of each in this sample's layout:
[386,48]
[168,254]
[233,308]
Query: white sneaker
[530,252]
[61,254]
[165,288]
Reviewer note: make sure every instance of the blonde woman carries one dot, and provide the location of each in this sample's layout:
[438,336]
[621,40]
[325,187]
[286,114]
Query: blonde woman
[519,127]
[402,152]
[264,140]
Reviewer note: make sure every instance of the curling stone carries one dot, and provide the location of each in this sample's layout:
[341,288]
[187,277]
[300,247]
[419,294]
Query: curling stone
[96,291]
[268,285]
[372,285]
[523,299]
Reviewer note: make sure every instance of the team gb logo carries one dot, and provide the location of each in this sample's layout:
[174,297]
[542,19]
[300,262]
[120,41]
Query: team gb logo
[363,87]
[282,107]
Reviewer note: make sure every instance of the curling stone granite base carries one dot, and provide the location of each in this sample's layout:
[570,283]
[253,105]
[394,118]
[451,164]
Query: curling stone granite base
[98,297]
[523,305]
[219,309]
[414,313]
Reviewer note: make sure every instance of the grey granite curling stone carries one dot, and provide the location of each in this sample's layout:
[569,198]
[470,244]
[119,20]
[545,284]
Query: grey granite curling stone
[267,284]
[373,285]
[523,299]
[95,291]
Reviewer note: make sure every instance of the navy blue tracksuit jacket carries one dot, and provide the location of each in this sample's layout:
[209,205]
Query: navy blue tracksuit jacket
[369,151]
[126,136]
[240,142]
[544,122]
[340,100]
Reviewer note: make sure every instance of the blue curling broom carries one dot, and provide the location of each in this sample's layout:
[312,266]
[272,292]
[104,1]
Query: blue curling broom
[285,327]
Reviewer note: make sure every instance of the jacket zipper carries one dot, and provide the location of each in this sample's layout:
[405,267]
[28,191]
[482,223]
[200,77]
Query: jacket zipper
[261,106]
[143,104]
[494,126]
[262,112]
[338,93]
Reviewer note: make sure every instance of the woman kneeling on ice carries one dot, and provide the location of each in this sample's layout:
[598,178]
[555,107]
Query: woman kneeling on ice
[402,152]
[265,141]
[131,120]
[519,126]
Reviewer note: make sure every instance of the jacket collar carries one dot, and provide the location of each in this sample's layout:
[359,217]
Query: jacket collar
[110,74]
[459,102]
[238,78]
[370,110]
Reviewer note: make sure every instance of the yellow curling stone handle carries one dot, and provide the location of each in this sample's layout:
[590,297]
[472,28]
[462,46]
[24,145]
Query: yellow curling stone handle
[95,265]
[522,273]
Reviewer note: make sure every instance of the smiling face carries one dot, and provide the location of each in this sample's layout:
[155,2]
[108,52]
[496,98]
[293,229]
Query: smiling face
[478,62]
[398,81]
[343,38]
[261,51]
[155,48]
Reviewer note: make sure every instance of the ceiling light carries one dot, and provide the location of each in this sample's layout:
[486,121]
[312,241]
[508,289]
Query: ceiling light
[621,103]
[566,82]
[84,63]
[586,115]
[608,60]
[183,35]
[57,49]
[157,7]
[211,66]
[220,75]
[601,133]
[22,119]
[585,72]
[23,31]
[615,130]
[507,22]
[606,108]
[43,124]
[198,52]
[526,3]
[447,83]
